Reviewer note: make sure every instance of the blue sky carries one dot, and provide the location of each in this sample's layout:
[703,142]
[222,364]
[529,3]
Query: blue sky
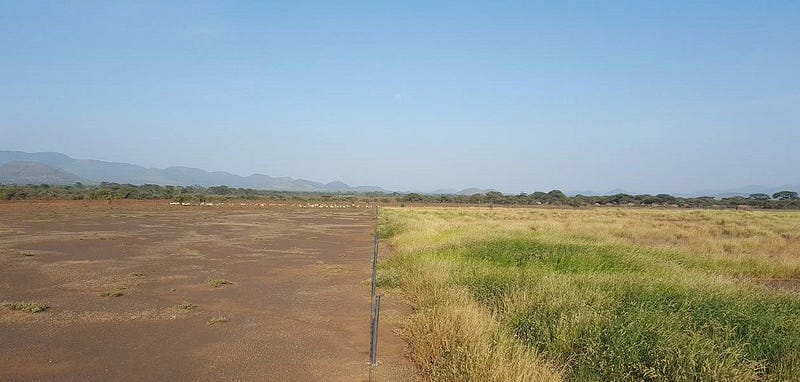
[519,96]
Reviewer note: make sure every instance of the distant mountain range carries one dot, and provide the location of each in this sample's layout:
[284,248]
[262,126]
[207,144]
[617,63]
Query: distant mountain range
[19,172]
[17,167]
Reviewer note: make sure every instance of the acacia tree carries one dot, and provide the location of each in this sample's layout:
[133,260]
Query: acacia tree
[785,195]
[412,197]
[494,197]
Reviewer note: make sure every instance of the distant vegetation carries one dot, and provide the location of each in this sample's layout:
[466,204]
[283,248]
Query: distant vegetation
[115,191]
[109,191]
[783,199]
[508,294]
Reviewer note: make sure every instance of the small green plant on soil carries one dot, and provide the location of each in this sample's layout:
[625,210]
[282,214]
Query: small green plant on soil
[187,306]
[112,293]
[25,306]
[216,283]
[218,320]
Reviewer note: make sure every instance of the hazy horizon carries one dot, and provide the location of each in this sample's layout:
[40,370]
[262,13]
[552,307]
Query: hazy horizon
[649,98]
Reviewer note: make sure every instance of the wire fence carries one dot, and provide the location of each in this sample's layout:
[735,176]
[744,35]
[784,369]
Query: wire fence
[375,309]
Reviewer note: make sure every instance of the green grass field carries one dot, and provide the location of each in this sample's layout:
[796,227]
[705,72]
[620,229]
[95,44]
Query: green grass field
[596,295]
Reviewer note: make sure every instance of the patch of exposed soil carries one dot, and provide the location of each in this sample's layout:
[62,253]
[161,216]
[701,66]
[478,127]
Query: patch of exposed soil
[788,285]
[127,285]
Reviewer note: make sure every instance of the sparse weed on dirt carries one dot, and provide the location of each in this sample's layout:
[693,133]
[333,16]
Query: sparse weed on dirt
[216,283]
[187,306]
[25,306]
[116,292]
[218,320]
[595,295]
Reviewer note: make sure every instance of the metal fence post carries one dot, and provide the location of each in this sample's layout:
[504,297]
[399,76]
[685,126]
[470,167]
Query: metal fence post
[374,268]
[375,307]
[376,316]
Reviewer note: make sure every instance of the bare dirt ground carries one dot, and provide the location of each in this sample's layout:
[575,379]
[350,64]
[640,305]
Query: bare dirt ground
[127,285]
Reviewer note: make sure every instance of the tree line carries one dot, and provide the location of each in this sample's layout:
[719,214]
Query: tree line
[779,200]
[111,191]
[116,191]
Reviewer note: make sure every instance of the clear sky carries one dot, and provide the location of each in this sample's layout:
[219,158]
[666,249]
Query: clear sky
[520,96]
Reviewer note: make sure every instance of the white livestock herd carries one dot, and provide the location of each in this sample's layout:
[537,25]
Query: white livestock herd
[299,205]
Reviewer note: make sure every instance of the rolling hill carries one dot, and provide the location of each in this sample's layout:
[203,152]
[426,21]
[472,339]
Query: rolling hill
[63,169]
[20,172]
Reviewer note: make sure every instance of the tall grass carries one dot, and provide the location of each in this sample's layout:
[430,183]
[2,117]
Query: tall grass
[605,294]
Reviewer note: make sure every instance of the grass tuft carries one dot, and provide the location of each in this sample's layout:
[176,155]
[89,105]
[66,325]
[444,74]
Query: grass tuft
[117,292]
[216,283]
[25,306]
[218,320]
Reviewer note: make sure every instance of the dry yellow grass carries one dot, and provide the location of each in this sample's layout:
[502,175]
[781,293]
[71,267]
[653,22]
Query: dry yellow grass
[452,338]
[514,294]
[731,235]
